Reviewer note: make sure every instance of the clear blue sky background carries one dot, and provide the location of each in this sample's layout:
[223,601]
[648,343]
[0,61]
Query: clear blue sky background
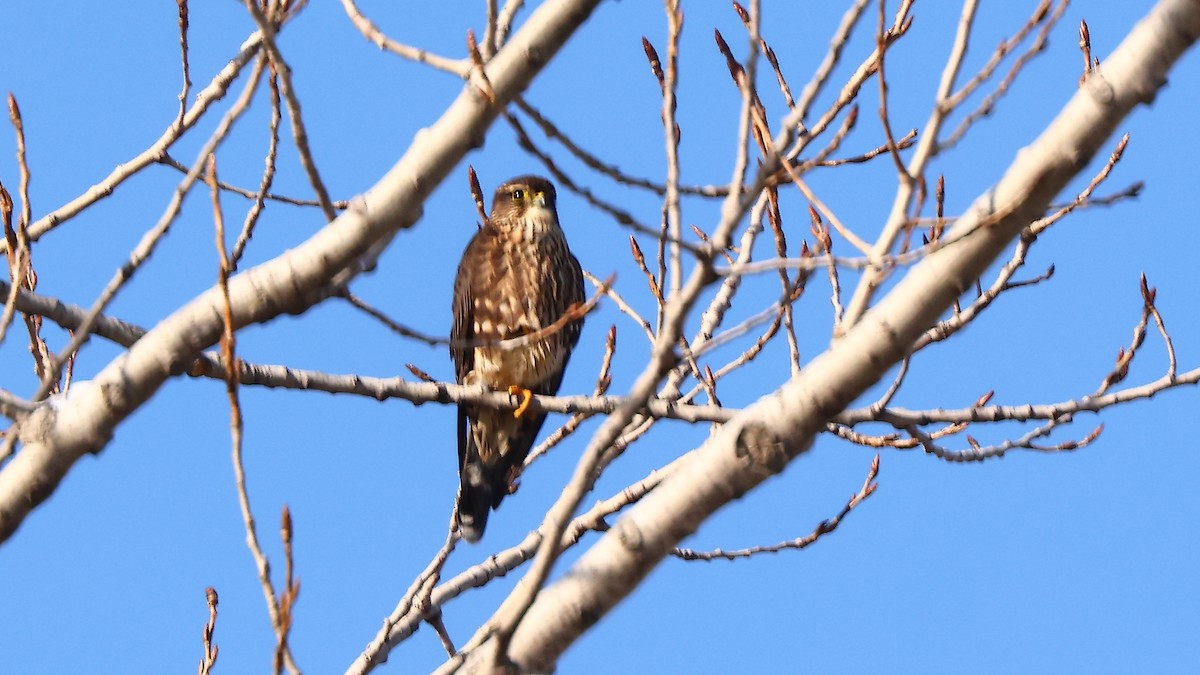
[1079,562]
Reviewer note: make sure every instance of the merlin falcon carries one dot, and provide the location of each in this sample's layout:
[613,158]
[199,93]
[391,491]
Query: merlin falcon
[517,277]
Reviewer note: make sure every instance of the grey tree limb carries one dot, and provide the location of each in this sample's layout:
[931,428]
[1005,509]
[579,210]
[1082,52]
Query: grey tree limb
[760,441]
[56,436]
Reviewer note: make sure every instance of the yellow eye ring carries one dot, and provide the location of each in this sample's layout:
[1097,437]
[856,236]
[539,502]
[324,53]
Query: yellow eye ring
[518,195]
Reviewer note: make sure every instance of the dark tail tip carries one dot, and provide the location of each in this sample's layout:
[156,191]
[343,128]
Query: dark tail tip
[474,503]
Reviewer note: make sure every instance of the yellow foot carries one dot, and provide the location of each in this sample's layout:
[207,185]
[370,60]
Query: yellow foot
[526,396]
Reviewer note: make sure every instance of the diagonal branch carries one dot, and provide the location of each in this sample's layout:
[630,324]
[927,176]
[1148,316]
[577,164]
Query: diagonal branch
[760,441]
[62,434]
[207,97]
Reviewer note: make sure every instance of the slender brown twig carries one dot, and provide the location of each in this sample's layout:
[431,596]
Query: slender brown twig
[228,351]
[210,646]
[561,179]
[340,204]
[151,239]
[280,68]
[592,161]
[268,176]
[371,32]
[477,196]
[20,256]
[204,101]
[823,528]
[603,380]
[183,59]
[291,592]
[391,324]
[671,274]
[1048,21]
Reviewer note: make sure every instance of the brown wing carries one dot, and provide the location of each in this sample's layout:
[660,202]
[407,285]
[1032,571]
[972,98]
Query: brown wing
[487,291]
[559,291]
[461,332]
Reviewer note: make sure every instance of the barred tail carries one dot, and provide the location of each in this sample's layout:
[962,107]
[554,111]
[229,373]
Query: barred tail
[474,501]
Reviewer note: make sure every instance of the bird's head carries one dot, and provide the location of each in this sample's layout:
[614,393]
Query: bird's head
[525,201]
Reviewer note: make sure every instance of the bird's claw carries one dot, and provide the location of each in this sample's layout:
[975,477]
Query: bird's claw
[526,396]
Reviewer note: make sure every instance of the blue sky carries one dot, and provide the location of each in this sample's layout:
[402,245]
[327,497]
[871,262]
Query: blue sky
[1075,562]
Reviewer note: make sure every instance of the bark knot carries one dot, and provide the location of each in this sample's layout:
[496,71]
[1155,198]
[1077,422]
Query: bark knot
[761,448]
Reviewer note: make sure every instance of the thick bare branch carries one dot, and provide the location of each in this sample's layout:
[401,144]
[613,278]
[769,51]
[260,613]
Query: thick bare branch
[761,440]
[303,276]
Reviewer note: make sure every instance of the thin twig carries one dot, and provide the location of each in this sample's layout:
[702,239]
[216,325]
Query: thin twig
[1148,296]
[281,69]
[151,239]
[978,453]
[14,407]
[671,275]
[489,33]
[377,650]
[505,20]
[561,179]
[825,243]
[622,305]
[477,196]
[555,133]
[1003,282]
[822,529]
[1085,45]
[881,44]
[228,350]
[390,323]
[210,647]
[268,176]
[988,104]
[341,204]
[775,220]
[214,92]
[603,380]
[20,252]
[832,56]
[287,599]
[460,67]
[183,59]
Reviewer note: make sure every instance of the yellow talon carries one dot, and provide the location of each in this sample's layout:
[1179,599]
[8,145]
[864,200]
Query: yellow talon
[526,396]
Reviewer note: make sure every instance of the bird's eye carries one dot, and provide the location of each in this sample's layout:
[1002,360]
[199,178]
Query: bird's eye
[518,195]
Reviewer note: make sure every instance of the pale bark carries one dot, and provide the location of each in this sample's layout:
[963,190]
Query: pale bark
[59,433]
[759,441]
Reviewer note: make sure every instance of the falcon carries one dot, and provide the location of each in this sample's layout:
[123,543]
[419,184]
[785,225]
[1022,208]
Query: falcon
[517,277]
